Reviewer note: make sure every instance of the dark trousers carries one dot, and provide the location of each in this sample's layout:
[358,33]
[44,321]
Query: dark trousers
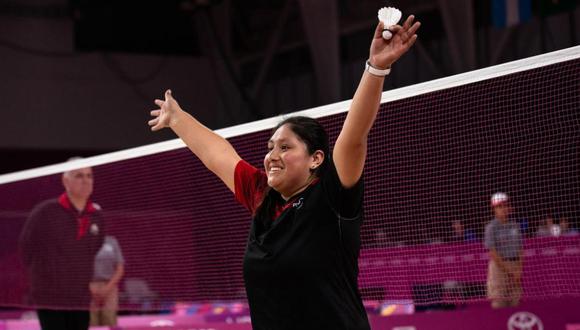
[63,320]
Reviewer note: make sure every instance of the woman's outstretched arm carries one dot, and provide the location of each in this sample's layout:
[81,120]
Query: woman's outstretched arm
[351,146]
[216,153]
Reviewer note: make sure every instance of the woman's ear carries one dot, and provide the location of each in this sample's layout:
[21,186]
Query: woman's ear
[317,159]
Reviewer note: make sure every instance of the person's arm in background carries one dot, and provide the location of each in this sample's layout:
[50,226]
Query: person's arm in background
[497,259]
[114,281]
[33,238]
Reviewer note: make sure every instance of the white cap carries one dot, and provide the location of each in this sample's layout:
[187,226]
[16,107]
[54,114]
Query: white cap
[499,198]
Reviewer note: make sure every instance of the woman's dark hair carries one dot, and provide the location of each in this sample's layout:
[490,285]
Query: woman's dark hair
[309,131]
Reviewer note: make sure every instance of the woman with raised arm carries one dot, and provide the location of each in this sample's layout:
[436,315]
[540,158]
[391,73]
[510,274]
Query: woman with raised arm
[301,261]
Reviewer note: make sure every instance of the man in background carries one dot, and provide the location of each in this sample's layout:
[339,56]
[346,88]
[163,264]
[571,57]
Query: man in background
[504,241]
[58,244]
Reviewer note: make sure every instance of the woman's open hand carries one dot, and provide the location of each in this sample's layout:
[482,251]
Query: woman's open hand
[165,115]
[384,53]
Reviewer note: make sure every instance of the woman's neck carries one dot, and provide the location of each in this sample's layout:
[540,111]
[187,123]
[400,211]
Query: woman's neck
[301,189]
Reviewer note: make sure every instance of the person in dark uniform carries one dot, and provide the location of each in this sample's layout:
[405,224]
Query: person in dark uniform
[58,244]
[301,261]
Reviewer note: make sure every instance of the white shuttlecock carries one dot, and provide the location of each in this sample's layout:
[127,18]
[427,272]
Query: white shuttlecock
[389,16]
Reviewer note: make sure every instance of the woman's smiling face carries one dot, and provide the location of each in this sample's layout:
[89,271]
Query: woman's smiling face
[287,163]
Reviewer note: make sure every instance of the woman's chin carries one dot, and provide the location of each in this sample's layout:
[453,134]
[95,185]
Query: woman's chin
[273,183]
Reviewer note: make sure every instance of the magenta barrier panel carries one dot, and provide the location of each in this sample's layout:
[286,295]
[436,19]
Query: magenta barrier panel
[216,326]
[554,314]
[20,325]
[169,322]
[33,325]
[535,315]
[551,267]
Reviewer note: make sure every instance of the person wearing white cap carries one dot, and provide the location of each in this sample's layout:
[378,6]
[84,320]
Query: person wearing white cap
[504,241]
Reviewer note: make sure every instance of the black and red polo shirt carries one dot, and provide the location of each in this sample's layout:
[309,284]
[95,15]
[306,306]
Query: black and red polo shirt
[301,270]
[58,246]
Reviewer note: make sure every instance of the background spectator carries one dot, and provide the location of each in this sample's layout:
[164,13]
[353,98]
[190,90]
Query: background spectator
[504,241]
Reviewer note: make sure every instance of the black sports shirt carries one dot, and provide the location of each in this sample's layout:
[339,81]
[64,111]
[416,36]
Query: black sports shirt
[301,270]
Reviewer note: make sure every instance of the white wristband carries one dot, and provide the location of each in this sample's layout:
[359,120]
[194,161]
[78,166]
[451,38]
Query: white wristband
[376,72]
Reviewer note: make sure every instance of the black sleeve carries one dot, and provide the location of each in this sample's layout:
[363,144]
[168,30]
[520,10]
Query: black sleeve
[347,203]
[31,240]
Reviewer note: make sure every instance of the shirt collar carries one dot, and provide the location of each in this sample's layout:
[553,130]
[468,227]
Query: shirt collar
[64,201]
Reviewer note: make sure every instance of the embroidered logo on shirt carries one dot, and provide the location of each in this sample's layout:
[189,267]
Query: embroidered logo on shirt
[94,229]
[299,203]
